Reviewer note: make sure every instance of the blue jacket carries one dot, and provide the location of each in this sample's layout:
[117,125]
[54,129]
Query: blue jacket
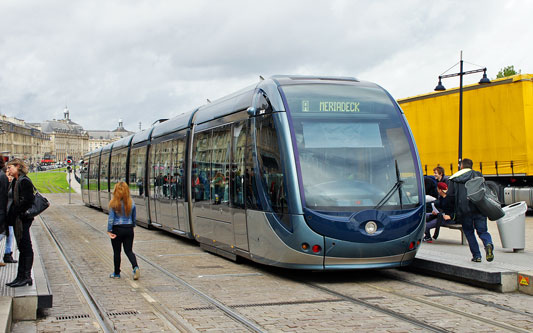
[116,219]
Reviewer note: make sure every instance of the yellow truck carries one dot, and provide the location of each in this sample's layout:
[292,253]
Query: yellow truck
[497,132]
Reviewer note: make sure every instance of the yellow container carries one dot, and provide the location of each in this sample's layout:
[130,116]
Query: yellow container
[497,126]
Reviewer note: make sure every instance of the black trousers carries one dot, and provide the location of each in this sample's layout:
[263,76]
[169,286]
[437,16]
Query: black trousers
[26,251]
[124,239]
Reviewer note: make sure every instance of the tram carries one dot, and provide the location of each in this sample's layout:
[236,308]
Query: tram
[303,172]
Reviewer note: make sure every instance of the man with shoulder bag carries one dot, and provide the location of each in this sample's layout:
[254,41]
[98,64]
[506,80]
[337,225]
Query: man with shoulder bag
[468,214]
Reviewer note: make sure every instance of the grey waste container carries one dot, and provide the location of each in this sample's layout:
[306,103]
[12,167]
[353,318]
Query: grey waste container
[512,226]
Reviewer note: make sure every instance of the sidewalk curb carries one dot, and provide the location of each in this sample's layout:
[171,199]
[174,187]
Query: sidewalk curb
[504,281]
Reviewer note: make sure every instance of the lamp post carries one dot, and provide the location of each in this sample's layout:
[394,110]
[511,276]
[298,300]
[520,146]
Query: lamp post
[440,87]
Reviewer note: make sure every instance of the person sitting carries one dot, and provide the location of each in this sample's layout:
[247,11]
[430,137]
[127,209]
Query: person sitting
[439,175]
[430,185]
[443,212]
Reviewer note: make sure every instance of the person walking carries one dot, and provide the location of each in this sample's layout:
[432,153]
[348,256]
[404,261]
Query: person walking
[21,190]
[5,230]
[467,213]
[120,224]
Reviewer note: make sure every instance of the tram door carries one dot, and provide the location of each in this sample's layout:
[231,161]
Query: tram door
[210,180]
[166,203]
[237,184]
[220,181]
[153,183]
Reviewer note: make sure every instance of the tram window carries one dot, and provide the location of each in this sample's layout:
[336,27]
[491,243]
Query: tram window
[165,166]
[201,173]
[263,105]
[352,148]
[154,171]
[252,197]
[137,159]
[180,169]
[104,166]
[93,173]
[220,166]
[270,164]
[118,168]
[238,165]
[85,172]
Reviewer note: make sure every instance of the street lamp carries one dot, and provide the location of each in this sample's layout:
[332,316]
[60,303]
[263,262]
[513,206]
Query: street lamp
[440,87]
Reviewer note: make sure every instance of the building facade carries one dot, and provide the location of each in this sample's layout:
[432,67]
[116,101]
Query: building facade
[52,140]
[67,137]
[98,139]
[21,140]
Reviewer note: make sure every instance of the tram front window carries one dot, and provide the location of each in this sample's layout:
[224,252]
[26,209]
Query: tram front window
[354,153]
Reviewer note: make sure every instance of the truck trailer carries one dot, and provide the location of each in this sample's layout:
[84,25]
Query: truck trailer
[497,132]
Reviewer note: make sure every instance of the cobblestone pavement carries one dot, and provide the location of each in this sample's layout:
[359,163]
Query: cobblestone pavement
[275,300]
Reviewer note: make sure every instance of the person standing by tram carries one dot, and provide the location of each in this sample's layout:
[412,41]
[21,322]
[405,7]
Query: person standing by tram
[22,193]
[467,213]
[120,224]
[5,230]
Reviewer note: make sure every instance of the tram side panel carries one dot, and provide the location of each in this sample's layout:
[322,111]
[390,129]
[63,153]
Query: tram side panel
[84,182]
[137,172]
[276,227]
[93,175]
[217,183]
[103,193]
[163,198]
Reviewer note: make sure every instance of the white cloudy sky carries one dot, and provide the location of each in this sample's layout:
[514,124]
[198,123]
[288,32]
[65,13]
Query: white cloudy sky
[145,60]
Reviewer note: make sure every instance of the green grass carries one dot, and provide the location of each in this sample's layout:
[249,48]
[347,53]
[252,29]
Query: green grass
[50,181]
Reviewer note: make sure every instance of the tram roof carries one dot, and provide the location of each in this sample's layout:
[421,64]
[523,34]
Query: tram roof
[173,125]
[306,79]
[124,142]
[141,136]
[237,101]
[94,152]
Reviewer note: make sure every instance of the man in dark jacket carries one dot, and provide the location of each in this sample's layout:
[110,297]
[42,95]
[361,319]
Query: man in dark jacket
[4,187]
[467,213]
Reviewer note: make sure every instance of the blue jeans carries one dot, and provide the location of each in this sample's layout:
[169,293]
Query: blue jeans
[479,224]
[9,240]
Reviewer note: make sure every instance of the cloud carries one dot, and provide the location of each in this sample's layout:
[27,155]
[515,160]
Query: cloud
[143,60]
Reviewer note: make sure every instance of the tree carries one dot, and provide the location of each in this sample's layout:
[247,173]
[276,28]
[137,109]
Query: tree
[507,71]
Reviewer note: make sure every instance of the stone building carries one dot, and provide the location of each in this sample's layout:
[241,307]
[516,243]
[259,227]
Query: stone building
[21,140]
[99,138]
[67,137]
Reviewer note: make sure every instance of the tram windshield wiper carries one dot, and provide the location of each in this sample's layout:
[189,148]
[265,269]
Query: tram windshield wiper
[396,186]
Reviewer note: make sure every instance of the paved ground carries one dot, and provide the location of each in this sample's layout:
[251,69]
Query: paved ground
[448,248]
[274,300]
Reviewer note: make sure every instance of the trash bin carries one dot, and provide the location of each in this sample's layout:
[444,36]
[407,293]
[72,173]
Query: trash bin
[512,226]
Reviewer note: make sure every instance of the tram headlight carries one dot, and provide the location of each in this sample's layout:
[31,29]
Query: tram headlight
[371,227]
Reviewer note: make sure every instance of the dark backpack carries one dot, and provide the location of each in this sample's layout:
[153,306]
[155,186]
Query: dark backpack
[483,198]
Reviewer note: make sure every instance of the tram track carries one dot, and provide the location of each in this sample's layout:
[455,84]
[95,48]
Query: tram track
[482,319]
[377,308]
[98,312]
[461,296]
[416,298]
[366,302]
[103,315]
[234,315]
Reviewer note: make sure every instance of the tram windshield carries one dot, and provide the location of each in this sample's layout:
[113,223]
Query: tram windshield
[353,150]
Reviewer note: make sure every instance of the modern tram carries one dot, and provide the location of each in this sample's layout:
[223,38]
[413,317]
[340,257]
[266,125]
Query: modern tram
[302,172]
